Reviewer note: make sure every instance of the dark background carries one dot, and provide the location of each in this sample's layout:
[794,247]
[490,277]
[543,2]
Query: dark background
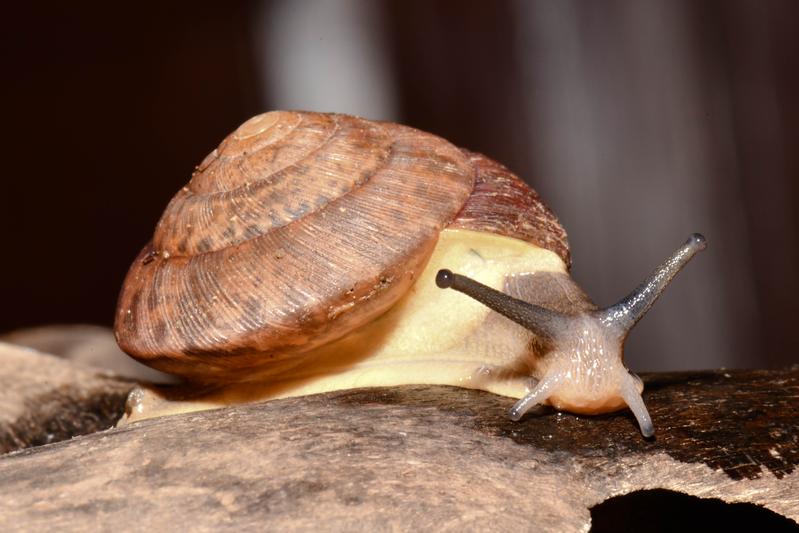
[638,121]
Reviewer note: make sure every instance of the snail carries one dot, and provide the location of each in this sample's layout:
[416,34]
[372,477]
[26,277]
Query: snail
[309,251]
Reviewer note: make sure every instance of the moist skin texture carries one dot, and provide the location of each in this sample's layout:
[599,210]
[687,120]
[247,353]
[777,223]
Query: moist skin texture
[431,336]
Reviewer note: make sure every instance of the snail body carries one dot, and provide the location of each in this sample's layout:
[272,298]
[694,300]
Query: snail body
[304,254]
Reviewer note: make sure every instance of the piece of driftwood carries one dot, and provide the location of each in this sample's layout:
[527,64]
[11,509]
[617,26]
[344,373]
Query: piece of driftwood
[86,344]
[46,399]
[414,457]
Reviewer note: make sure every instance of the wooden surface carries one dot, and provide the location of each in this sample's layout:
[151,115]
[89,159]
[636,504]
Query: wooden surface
[46,399]
[408,458]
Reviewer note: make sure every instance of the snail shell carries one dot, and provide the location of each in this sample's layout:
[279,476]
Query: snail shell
[300,228]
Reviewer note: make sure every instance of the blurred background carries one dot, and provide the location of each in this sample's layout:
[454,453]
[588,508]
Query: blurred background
[638,121]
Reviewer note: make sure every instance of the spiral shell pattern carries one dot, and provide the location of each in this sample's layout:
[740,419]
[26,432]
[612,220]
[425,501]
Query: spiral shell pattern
[299,228]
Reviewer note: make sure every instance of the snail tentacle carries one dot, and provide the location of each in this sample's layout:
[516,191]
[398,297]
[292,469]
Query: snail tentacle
[544,322]
[539,394]
[629,390]
[627,312]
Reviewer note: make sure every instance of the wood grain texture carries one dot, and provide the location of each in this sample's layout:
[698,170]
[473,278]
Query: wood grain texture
[416,457]
[47,399]
[85,344]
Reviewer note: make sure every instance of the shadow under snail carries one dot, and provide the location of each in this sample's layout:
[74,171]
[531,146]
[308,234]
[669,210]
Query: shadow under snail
[303,257]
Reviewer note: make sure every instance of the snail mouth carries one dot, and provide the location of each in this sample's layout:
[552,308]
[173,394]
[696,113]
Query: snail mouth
[587,406]
[429,337]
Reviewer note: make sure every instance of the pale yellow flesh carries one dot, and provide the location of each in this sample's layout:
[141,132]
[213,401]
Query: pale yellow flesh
[432,336]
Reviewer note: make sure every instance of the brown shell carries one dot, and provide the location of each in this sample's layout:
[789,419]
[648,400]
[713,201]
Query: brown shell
[299,228]
[502,203]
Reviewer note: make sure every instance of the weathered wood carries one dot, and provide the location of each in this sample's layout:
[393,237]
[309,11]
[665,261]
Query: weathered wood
[45,399]
[85,344]
[413,457]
